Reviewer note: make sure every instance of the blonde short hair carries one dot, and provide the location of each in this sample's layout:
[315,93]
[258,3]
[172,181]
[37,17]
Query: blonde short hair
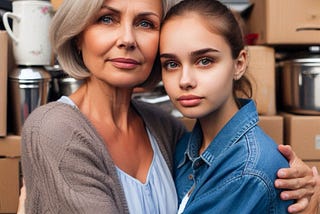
[70,20]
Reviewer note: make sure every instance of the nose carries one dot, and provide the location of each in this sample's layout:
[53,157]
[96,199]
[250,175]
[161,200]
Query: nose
[187,80]
[127,38]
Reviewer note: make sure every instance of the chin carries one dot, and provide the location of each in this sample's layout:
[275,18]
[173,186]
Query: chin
[189,113]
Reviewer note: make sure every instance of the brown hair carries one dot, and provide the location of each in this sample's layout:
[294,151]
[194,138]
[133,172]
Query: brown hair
[221,20]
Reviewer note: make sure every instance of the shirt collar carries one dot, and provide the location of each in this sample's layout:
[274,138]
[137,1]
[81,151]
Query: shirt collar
[238,125]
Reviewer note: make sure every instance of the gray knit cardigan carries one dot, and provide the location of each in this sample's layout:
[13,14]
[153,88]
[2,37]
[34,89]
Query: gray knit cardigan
[66,166]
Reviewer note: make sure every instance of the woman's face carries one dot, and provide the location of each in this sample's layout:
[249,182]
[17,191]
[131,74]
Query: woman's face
[119,48]
[197,67]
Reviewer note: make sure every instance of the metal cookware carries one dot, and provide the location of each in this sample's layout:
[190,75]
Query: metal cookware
[28,89]
[300,83]
[61,84]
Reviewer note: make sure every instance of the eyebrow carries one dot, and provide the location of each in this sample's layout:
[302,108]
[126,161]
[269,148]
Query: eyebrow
[203,51]
[192,54]
[140,14]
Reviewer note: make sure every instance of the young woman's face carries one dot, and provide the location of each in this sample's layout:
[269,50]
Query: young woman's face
[119,48]
[197,67]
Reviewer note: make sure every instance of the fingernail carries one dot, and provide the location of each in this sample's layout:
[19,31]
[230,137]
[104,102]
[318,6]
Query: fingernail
[281,173]
[284,196]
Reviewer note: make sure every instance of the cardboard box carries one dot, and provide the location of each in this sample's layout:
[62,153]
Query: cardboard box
[3,82]
[9,185]
[271,125]
[261,72]
[313,163]
[302,132]
[10,176]
[10,146]
[285,22]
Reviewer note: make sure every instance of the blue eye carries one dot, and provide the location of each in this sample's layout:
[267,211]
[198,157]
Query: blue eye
[170,65]
[205,61]
[146,24]
[106,19]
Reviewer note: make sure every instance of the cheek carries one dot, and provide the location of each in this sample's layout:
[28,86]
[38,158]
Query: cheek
[148,44]
[94,43]
[170,83]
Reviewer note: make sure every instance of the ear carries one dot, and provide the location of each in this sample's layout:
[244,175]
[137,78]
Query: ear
[241,64]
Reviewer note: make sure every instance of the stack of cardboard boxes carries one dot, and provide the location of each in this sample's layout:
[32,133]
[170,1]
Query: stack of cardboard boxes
[286,23]
[10,176]
[10,180]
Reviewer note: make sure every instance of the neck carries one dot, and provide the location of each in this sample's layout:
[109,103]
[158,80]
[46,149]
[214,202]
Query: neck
[104,104]
[213,123]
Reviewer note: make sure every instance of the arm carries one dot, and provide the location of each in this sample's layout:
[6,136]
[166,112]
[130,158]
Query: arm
[298,180]
[75,182]
[65,166]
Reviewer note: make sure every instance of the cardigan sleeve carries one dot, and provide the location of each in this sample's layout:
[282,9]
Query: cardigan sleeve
[65,169]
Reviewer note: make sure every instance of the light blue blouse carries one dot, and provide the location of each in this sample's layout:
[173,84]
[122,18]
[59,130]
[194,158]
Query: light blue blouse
[158,194]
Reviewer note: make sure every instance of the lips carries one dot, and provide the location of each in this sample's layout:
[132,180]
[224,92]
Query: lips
[124,63]
[189,100]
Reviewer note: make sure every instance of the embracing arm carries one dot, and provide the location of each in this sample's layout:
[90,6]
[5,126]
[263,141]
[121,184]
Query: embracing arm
[65,165]
[71,181]
[300,182]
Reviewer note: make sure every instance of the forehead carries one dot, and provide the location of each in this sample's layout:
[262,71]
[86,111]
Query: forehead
[136,5]
[189,30]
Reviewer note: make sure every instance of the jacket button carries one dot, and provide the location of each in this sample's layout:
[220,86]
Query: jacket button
[190,176]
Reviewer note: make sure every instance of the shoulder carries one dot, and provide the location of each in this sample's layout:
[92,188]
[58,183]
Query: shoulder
[51,114]
[52,125]
[262,157]
[267,149]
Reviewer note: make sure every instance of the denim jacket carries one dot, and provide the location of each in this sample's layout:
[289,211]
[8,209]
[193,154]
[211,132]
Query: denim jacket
[235,174]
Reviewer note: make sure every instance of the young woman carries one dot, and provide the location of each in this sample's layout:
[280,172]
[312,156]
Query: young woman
[98,151]
[227,164]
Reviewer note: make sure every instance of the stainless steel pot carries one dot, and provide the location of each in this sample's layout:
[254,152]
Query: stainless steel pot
[28,89]
[300,85]
[61,83]
[68,85]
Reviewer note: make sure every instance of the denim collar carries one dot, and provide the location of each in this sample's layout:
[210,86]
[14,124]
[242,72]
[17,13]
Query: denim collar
[238,125]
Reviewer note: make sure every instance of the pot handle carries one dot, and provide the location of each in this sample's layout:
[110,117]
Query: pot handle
[7,26]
